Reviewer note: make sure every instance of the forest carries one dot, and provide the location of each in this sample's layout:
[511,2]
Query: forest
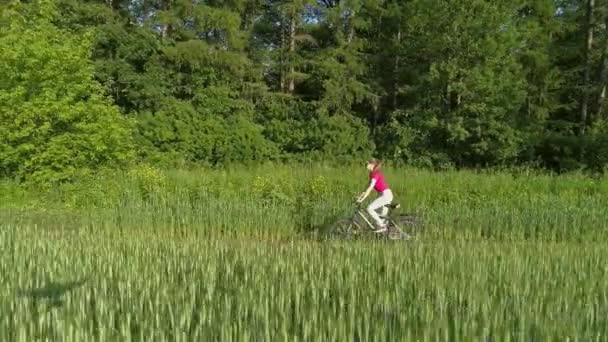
[86,85]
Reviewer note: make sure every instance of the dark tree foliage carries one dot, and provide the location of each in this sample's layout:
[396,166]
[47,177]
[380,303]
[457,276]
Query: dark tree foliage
[465,83]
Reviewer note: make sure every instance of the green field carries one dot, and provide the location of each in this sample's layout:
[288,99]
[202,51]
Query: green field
[237,254]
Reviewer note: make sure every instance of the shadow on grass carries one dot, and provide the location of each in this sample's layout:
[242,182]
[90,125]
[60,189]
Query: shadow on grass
[52,292]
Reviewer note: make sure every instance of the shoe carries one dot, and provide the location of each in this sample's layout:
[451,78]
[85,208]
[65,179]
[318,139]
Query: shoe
[381,229]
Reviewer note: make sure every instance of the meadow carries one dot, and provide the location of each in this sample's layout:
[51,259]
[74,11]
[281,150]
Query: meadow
[238,254]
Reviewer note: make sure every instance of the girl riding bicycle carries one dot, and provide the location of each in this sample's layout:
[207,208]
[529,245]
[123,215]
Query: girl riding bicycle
[385,195]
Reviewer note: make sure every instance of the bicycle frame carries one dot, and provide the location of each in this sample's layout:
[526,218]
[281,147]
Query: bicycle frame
[362,213]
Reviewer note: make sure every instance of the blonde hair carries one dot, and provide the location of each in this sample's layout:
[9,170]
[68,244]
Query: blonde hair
[376,163]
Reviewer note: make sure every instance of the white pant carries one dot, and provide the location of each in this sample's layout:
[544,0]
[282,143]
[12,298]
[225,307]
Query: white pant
[380,203]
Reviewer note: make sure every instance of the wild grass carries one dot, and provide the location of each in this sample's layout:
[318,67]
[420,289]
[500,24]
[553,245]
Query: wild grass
[283,202]
[150,255]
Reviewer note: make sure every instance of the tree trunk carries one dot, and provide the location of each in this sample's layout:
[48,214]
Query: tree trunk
[282,59]
[292,49]
[113,4]
[603,81]
[165,29]
[587,75]
[351,29]
[396,69]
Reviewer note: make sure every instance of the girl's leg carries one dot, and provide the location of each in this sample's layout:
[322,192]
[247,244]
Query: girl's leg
[388,194]
[378,203]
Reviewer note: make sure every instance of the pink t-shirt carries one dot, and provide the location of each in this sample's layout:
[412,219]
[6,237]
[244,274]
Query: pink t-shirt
[380,185]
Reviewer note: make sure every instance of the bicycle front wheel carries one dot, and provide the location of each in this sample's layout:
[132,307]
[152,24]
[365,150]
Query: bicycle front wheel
[406,227]
[344,229]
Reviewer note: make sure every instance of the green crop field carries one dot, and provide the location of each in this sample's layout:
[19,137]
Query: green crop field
[171,170]
[238,254]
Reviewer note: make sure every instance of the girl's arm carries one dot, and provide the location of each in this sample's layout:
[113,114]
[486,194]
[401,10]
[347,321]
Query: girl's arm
[364,195]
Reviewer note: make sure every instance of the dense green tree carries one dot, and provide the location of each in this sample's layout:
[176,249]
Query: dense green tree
[56,122]
[461,82]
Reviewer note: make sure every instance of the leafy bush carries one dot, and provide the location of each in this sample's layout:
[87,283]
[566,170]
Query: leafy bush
[56,124]
[180,131]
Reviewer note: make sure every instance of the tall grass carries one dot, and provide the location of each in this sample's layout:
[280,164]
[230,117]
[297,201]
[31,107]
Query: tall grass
[77,286]
[149,255]
[282,201]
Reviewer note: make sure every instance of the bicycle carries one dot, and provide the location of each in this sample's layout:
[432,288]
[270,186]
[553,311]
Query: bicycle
[405,226]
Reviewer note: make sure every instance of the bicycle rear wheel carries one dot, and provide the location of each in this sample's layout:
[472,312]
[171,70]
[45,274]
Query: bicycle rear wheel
[344,229]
